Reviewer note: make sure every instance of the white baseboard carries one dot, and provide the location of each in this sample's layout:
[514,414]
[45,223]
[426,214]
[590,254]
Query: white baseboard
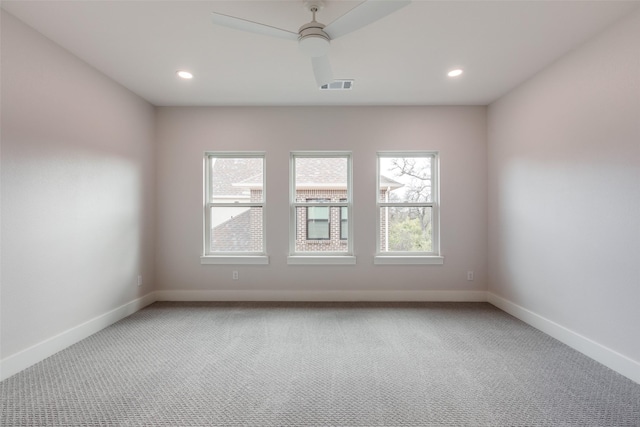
[30,356]
[608,357]
[34,354]
[282,295]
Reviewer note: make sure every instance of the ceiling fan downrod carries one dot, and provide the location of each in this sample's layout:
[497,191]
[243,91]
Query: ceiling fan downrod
[313,41]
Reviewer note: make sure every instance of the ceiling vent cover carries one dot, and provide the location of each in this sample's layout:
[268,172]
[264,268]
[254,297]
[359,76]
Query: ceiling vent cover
[338,85]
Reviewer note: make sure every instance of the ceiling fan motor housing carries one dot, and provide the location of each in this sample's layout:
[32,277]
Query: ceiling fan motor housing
[313,41]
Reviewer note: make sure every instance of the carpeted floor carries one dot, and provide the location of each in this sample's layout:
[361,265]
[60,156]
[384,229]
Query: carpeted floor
[326,364]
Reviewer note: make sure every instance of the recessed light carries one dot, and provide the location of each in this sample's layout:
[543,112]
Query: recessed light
[454,73]
[184,74]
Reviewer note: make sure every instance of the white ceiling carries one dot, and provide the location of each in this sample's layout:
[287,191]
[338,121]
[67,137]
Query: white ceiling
[401,59]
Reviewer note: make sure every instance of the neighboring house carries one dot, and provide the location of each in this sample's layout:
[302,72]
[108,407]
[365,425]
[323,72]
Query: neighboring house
[233,234]
[318,229]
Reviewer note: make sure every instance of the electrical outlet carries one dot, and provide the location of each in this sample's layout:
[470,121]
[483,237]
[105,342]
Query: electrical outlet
[139,279]
[235,274]
[469,275]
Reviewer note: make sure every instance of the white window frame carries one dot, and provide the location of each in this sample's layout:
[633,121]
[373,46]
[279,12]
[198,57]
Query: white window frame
[328,257]
[208,257]
[404,258]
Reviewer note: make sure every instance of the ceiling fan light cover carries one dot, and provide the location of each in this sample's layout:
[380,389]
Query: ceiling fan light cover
[314,45]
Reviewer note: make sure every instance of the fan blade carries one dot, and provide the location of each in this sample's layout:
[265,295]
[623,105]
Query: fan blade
[322,70]
[362,15]
[252,27]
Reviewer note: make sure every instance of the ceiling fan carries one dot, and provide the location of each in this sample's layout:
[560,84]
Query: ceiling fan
[314,37]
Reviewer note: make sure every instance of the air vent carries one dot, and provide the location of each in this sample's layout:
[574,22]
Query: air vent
[338,85]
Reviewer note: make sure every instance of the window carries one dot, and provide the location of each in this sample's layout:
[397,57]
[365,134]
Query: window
[344,221]
[320,205]
[407,202]
[318,220]
[234,202]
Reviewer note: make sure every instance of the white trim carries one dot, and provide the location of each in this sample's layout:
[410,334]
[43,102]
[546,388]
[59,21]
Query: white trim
[234,154]
[406,205]
[407,260]
[321,260]
[321,153]
[17,362]
[237,260]
[235,205]
[608,357]
[408,153]
[337,296]
[434,204]
[208,202]
[316,258]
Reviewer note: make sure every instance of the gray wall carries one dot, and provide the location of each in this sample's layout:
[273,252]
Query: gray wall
[78,186]
[184,134]
[564,191]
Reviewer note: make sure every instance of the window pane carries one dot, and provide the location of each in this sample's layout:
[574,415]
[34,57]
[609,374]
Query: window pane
[236,229]
[404,229]
[319,235]
[325,173]
[320,212]
[236,179]
[406,179]
[317,229]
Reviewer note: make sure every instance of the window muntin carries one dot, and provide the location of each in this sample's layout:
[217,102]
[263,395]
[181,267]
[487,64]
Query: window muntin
[407,204]
[234,204]
[320,197]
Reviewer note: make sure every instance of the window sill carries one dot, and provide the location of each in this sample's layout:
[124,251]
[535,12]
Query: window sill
[321,260]
[235,259]
[408,260]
